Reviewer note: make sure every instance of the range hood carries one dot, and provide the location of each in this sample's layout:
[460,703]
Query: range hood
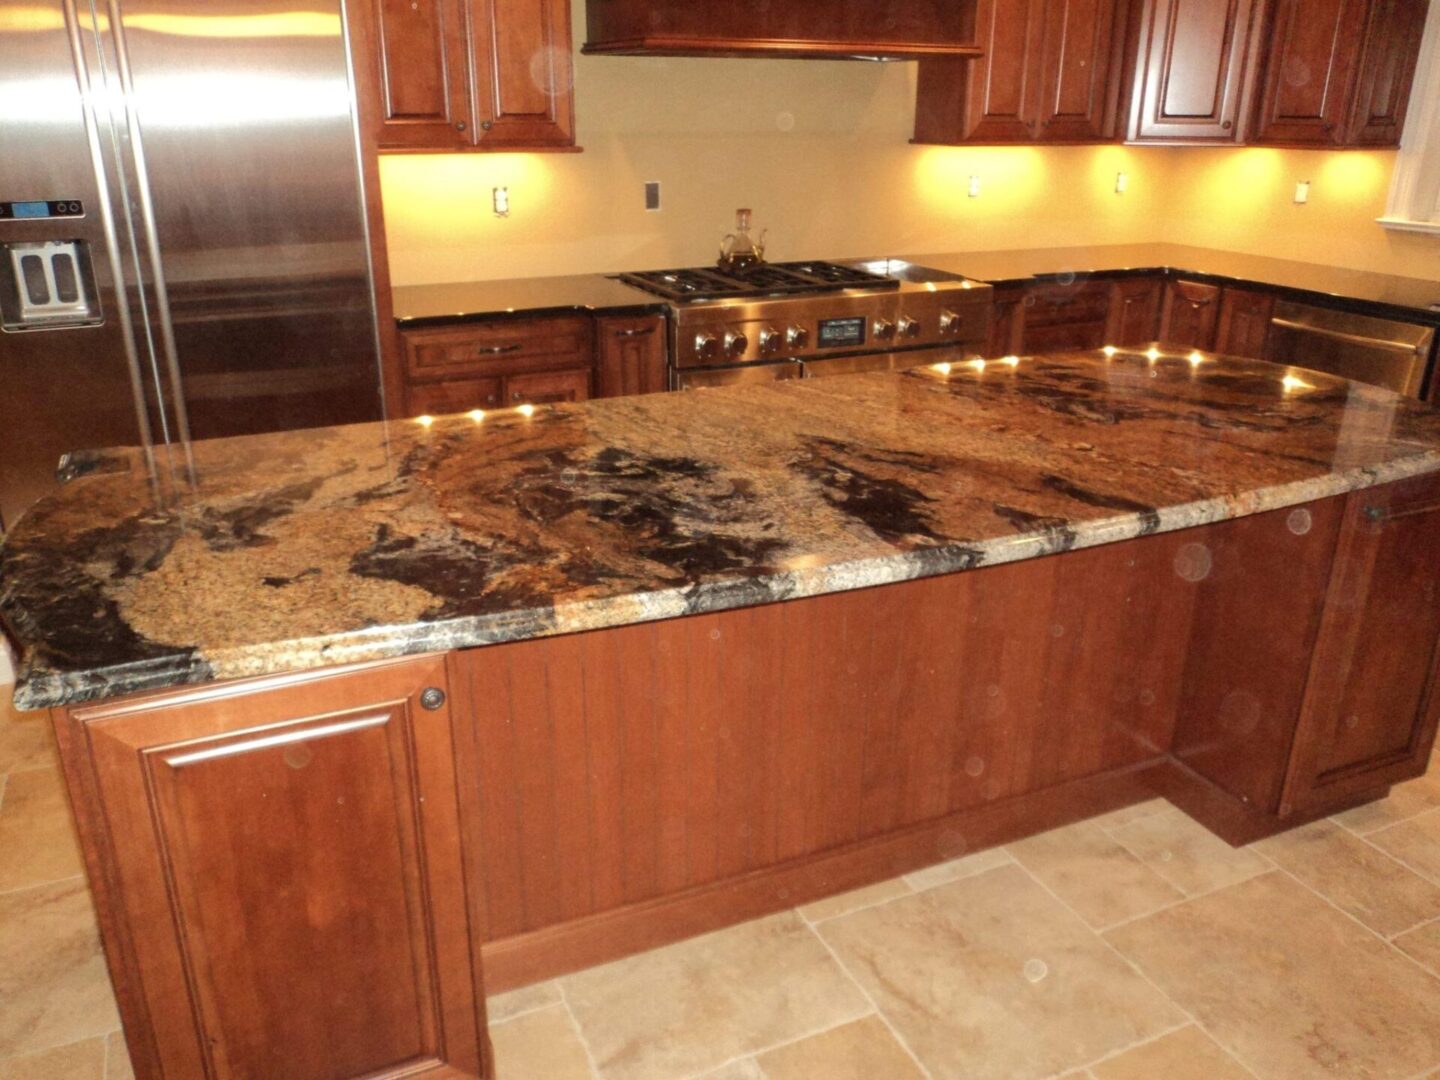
[797,29]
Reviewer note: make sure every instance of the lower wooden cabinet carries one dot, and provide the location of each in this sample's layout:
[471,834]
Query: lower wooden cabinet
[288,896]
[630,355]
[548,387]
[1006,335]
[1062,315]
[1134,317]
[455,396]
[1244,323]
[1190,314]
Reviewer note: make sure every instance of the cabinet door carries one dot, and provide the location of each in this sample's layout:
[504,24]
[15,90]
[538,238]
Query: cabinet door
[1309,71]
[1195,70]
[453,396]
[524,79]
[1134,317]
[991,99]
[1078,60]
[1244,323]
[548,387]
[1062,317]
[1006,336]
[631,356]
[1191,314]
[289,896]
[1371,707]
[424,74]
[1386,72]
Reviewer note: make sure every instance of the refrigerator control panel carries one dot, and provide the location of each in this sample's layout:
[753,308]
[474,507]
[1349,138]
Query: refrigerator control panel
[40,209]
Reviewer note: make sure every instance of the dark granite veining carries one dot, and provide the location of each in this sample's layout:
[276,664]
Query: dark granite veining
[321,547]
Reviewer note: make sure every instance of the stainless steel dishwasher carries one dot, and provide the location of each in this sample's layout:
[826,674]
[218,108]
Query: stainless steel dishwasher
[1384,352]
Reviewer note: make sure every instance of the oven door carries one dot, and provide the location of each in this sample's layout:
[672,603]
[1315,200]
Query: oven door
[1377,351]
[738,375]
[891,361]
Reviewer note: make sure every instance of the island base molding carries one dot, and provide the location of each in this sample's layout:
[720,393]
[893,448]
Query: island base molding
[323,873]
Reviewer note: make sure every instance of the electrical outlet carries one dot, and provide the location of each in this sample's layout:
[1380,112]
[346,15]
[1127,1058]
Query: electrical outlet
[1302,193]
[500,200]
[652,195]
[1122,181]
[974,188]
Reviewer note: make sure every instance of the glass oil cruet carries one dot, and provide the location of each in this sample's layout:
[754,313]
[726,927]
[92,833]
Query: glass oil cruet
[739,251]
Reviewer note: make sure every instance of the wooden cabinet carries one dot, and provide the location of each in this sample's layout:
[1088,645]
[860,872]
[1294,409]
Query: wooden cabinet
[1386,72]
[630,355]
[1060,316]
[1007,322]
[1190,314]
[1195,70]
[495,363]
[1371,706]
[1050,73]
[473,74]
[1134,316]
[289,896]
[1244,323]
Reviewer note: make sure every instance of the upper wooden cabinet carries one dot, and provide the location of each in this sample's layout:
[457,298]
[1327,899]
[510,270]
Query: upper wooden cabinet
[1337,72]
[474,74]
[1050,73]
[1194,71]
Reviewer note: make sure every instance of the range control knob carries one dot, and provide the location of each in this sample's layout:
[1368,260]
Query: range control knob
[949,322]
[736,343]
[797,337]
[706,346]
[769,340]
[884,330]
[909,328]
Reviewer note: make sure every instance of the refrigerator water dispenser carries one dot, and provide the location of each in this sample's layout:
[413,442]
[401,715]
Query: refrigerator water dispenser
[46,285]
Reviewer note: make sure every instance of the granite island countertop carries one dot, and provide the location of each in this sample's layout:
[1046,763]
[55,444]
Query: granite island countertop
[321,547]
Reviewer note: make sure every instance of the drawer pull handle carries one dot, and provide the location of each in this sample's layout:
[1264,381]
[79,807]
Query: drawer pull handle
[496,350]
[1381,515]
[431,698]
[639,331]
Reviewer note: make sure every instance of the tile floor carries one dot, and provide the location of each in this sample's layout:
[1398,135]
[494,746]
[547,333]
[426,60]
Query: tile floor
[1134,946]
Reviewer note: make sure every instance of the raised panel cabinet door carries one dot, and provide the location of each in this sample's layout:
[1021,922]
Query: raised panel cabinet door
[631,356]
[524,73]
[1244,324]
[548,387]
[1134,317]
[1078,62]
[289,897]
[993,99]
[1371,705]
[1386,72]
[1195,70]
[424,73]
[453,396]
[1313,47]
[1006,334]
[1190,315]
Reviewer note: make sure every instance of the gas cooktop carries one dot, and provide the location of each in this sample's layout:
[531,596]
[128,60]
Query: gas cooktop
[767,279]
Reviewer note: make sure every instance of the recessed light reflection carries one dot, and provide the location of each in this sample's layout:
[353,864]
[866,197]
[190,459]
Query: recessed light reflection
[526,410]
[1293,383]
[1109,351]
[1152,354]
[940,369]
[1011,361]
[425,421]
[476,414]
[1196,358]
[978,363]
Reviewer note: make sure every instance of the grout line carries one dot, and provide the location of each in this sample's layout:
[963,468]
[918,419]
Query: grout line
[1071,1069]
[4,786]
[522,1012]
[109,1044]
[918,889]
[1138,971]
[862,907]
[1411,929]
[708,1069]
[43,884]
[1368,839]
[579,1031]
[894,1032]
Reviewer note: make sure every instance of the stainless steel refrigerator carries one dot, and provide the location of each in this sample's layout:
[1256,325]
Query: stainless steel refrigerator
[183,246]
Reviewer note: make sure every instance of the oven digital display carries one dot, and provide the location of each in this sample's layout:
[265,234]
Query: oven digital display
[841,333]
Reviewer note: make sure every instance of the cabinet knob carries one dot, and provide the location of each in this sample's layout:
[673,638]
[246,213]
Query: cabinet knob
[1227,125]
[432,697]
[489,399]
[459,125]
[487,124]
[515,396]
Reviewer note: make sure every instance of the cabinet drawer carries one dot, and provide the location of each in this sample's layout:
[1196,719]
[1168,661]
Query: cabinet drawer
[1057,305]
[456,396]
[493,348]
[548,387]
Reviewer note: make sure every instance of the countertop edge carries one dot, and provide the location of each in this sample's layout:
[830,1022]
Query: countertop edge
[35,691]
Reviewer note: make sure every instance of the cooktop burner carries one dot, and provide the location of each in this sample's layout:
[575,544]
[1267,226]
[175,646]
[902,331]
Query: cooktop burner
[767,279]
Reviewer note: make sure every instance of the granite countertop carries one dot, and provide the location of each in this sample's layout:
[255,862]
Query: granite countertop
[311,548]
[1405,297]
[436,305]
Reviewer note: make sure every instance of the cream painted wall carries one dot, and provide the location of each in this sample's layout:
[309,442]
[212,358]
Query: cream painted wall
[820,151]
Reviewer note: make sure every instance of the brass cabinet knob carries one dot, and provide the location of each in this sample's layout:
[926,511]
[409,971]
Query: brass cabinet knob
[432,697]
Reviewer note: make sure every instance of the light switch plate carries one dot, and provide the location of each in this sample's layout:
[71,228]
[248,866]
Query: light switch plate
[652,195]
[1302,193]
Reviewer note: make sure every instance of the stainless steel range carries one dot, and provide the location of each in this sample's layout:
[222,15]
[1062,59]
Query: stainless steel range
[803,319]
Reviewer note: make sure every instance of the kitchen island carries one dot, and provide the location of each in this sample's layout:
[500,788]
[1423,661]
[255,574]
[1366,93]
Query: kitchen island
[366,712]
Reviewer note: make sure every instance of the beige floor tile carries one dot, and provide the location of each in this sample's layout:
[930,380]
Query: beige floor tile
[991,977]
[37,838]
[1405,801]
[698,1004]
[1126,814]
[1187,854]
[955,869]
[1423,943]
[117,1058]
[1187,1054]
[1354,876]
[1288,984]
[744,1069]
[864,1050]
[539,1046]
[1415,842]
[502,1007]
[845,903]
[83,1060]
[26,741]
[52,975]
[1092,873]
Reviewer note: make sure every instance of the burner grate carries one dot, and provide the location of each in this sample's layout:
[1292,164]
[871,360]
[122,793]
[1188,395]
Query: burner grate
[777,279]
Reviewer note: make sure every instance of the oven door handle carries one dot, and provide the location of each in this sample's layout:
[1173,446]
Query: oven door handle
[1350,339]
